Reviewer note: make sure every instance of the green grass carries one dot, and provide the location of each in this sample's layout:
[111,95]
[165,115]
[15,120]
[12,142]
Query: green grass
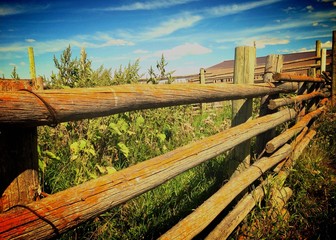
[312,207]
[75,152]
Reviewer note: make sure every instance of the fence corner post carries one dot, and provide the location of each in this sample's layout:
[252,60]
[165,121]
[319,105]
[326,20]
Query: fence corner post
[245,58]
[19,182]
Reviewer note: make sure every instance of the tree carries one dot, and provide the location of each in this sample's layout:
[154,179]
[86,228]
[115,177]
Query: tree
[72,72]
[78,73]
[85,71]
[161,67]
[127,75]
[14,74]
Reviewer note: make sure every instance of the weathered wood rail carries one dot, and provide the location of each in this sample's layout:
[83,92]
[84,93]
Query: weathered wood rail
[22,107]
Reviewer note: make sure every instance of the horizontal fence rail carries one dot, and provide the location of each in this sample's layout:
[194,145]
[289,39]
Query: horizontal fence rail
[96,196]
[55,106]
[24,107]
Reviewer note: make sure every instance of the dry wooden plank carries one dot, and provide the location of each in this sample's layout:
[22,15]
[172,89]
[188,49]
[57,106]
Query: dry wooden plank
[240,211]
[194,223]
[296,78]
[237,215]
[280,102]
[281,139]
[278,200]
[54,106]
[59,212]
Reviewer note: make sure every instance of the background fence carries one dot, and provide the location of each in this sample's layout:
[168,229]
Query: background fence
[26,106]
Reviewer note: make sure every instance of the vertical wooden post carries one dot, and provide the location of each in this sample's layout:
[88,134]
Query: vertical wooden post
[32,64]
[274,64]
[318,54]
[19,182]
[323,60]
[202,81]
[333,76]
[245,58]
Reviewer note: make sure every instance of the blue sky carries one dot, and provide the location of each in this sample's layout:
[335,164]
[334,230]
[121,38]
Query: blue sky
[190,33]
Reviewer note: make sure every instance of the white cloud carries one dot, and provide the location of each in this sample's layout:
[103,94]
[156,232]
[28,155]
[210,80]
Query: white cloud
[262,43]
[296,50]
[30,40]
[173,25]
[225,10]
[149,5]
[187,49]
[7,10]
[100,40]
[309,8]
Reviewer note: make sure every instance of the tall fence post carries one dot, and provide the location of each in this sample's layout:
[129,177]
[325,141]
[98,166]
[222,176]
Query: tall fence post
[323,60]
[245,58]
[333,76]
[31,63]
[318,54]
[274,64]
[202,81]
[19,182]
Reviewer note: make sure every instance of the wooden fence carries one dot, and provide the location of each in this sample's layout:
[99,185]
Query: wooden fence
[23,108]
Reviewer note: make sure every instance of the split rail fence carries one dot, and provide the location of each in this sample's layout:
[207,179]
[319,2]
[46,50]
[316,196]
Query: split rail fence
[25,106]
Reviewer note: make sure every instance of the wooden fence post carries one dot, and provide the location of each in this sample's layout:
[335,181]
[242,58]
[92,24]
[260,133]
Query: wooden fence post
[31,63]
[202,81]
[19,182]
[333,76]
[274,64]
[323,60]
[245,58]
[318,54]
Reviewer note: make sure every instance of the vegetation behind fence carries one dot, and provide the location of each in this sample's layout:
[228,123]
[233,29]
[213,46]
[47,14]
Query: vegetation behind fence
[22,109]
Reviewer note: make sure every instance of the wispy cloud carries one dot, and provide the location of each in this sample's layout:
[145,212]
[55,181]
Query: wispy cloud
[10,10]
[99,40]
[7,10]
[263,41]
[148,5]
[224,10]
[171,26]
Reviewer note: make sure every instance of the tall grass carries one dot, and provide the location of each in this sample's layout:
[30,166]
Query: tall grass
[312,207]
[75,152]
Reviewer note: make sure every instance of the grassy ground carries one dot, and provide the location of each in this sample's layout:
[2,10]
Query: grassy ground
[73,153]
[312,207]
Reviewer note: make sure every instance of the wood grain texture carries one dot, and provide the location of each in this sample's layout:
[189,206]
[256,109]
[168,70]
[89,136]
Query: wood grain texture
[194,223]
[23,107]
[281,139]
[296,78]
[64,210]
[280,102]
